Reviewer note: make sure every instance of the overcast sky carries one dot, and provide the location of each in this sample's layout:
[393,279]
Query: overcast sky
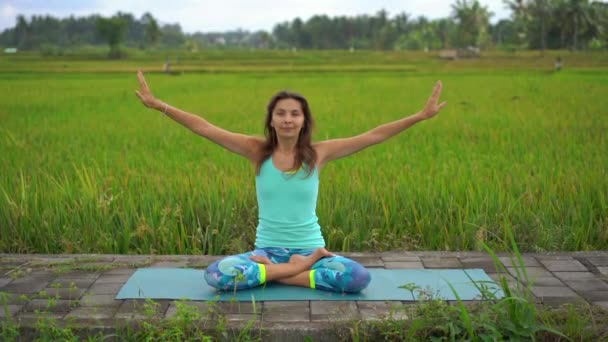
[225,15]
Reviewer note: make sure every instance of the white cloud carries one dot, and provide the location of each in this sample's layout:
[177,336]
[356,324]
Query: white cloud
[7,12]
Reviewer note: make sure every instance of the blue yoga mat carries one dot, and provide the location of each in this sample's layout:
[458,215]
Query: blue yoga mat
[185,283]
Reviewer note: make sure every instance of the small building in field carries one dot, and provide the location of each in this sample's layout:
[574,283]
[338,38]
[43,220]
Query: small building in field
[468,52]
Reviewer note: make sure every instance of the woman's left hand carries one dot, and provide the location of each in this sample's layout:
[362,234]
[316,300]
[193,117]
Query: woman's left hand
[432,104]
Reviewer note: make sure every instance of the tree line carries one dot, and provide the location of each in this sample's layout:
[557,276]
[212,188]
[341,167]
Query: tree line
[533,24]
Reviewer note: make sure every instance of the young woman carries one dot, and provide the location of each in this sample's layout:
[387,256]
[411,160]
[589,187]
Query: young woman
[289,247]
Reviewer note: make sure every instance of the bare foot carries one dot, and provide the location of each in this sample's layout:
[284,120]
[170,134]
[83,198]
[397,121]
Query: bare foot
[260,259]
[306,262]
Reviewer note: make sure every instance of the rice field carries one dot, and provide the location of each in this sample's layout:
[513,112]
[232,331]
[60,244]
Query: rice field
[86,168]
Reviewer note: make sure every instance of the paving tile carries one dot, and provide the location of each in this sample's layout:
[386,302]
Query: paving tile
[598,261]
[527,260]
[401,258]
[64,293]
[169,264]
[322,311]
[544,281]
[31,283]
[487,264]
[553,291]
[357,254]
[369,261]
[104,288]
[113,279]
[81,283]
[202,259]
[242,317]
[563,265]
[91,313]
[15,298]
[12,309]
[4,282]
[574,275]
[119,271]
[430,262]
[100,300]
[403,265]
[587,285]
[87,258]
[59,305]
[33,317]
[554,256]
[133,260]
[558,279]
[594,296]
[78,274]
[237,307]
[532,272]
[286,311]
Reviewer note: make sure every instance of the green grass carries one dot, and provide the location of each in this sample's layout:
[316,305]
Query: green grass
[87,169]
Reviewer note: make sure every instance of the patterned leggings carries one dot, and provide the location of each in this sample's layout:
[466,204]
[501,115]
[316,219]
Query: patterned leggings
[336,274]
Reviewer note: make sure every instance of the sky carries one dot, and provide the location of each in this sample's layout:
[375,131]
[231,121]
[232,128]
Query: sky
[228,15]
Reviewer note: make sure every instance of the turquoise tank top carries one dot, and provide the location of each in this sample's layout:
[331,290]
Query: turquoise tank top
[287,208]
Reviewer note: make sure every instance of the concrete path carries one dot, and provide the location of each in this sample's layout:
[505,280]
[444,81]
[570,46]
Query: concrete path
[83,287]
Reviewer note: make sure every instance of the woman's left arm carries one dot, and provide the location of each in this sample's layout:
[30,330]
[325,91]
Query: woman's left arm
[329,150]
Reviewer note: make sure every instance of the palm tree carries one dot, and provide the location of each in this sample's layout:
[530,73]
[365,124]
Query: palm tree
[473,21]
[529,13]
[578,17]
[541,9]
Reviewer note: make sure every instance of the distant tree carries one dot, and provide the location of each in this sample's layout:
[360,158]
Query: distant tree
[473,21]
[579,14]
[112,30]
[541,10]
[21,32]
[172,36]
[152,32]
[535,17]
[443,27]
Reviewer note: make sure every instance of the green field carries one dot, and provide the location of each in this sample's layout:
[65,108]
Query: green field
[86,168]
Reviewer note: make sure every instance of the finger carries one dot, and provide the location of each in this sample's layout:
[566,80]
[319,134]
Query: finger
[142,81]
[437,89]
[441,105]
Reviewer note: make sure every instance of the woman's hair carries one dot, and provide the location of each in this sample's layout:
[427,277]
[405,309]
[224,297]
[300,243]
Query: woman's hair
[305,154]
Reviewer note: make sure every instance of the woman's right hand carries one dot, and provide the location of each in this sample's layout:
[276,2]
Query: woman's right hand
[144,93]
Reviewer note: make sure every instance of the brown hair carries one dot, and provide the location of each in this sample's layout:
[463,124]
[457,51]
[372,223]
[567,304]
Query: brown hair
[305,154]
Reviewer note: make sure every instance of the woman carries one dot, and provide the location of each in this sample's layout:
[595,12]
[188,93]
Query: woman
[289,245]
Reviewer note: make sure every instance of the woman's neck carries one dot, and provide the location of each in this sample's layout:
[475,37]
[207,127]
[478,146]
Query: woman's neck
[286,147]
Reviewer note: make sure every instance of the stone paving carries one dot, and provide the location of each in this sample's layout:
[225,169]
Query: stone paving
[83,287]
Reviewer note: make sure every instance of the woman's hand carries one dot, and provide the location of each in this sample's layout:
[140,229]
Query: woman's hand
[432,106]
[144,93]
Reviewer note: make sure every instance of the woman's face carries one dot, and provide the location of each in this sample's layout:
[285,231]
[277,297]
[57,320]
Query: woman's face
[287,118]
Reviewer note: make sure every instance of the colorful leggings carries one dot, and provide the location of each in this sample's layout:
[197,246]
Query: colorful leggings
[337,274]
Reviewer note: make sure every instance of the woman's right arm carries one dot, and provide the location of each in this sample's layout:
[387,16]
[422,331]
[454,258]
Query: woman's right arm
[245,145]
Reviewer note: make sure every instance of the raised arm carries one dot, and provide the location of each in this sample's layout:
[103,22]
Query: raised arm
[244,145]
[329,150]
